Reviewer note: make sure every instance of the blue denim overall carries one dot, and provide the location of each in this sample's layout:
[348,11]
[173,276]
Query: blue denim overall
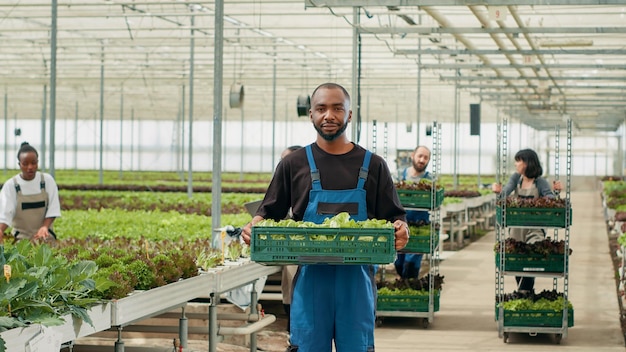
[334,302]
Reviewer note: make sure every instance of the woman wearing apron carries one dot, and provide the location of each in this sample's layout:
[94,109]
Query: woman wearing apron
[29,202]
[526,182]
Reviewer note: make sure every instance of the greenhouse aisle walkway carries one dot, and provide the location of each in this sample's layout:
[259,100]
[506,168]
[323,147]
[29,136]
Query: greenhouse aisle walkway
[466,321]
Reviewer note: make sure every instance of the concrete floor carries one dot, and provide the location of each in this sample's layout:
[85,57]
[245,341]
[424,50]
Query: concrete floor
[466,322]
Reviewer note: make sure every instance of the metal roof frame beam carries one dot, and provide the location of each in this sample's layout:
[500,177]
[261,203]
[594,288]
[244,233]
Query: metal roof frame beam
[510,52]
[512,78]
[396,3]
[531,66]
[621,90]
[493,30]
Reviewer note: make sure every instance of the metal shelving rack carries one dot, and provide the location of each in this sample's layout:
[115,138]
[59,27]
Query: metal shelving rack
[435,228]
[501,230]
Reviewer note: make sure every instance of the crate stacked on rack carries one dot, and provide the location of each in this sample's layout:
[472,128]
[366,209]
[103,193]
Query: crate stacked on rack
[421,235]
[538,212]
[409,295]
[546,256]
[527,309]
[419,194]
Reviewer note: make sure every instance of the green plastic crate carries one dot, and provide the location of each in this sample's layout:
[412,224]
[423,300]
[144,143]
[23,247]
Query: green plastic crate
[313,245]
[420,199]
[536,318]
[407,303]
[540,217]
[553,263]
[420,244]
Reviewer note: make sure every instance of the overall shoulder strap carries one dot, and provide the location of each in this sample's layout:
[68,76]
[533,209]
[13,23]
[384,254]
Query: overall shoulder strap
[364,169]
[18,189]
[315,173]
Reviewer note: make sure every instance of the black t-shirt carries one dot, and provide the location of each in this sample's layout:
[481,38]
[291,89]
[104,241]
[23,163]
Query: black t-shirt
[291,184]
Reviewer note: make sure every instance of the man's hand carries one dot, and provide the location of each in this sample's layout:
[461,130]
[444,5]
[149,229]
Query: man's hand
[496,187]
[401,234]
[246,231]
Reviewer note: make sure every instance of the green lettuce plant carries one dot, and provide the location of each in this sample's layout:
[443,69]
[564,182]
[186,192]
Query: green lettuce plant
[43,287]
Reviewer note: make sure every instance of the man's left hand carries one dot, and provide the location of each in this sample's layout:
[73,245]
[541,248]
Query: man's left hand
[401,234]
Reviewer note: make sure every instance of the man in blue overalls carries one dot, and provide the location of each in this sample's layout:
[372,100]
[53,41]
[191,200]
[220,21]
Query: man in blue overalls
[333,303]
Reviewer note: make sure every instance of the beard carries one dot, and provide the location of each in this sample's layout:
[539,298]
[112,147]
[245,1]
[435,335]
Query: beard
[331,137]
[419,168]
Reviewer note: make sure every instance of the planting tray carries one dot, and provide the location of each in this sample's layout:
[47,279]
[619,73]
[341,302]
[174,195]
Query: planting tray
[406,303]
[420,244]
[539,217]
[553,263]
[145,304]
[18,339]
[314,245]
[537,318]
[420,199]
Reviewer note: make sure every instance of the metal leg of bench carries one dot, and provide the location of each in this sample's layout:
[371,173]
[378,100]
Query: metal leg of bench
[183,329]
[253,310]
[213,327]
[119,344]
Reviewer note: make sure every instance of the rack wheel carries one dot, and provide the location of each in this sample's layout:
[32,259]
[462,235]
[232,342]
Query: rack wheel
[379,321]
[557,338]
[425,323]
[505,337]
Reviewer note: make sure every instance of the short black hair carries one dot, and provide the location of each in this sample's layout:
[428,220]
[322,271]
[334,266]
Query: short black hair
[25,147]
[293,148]
[330,85]
[533,166]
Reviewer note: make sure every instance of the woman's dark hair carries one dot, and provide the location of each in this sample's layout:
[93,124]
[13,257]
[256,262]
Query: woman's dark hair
[533,166]
[25,147]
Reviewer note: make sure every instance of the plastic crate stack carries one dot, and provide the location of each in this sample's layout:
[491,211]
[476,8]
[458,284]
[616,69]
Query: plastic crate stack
[556,223]
[421,305]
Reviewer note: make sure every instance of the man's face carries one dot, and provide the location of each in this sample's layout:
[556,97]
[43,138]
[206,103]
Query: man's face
[421,157]
[330,113]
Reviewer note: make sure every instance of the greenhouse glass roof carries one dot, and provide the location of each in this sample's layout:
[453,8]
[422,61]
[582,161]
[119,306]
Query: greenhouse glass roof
[539,62]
